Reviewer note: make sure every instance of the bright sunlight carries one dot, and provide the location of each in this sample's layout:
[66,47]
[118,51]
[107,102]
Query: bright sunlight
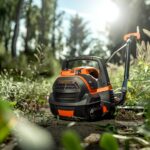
[106,12]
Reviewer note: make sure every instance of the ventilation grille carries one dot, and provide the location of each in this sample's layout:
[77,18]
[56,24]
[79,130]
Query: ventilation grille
[66,95]
[67,91]
[63,86]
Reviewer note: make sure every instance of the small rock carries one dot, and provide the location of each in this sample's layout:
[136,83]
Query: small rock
[92,138]
[2,145]
[71,124]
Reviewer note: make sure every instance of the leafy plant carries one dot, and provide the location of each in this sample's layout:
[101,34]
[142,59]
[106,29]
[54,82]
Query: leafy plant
[4,120]
[108,142]
[23,93]
[71,141]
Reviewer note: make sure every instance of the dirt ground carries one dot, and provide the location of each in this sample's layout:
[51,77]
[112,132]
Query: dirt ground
[83,128]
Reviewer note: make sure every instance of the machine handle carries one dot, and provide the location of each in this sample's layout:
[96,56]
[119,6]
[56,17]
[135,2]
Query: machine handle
[135,34]
[101,64]
[128,38]
[84,58]
[92,58]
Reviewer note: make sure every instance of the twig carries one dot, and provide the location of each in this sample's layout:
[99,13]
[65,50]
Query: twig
[136,139]
[94,138]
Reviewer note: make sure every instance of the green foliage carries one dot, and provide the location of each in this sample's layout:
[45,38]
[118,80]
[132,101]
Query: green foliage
[108,142]
[7,15]
[98,49]
[139,84]
[77,40]
[71,141]
[139,87]
[107,128]
[32,16]
[16,66]
[39,23]
[4,120]
[45,63]
[116,76]
[45,21]
[25,90]
[147,121]
[2,48]
[23,80]
[40,63]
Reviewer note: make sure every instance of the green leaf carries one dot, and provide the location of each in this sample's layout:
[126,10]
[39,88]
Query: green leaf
[4,119]
[146,68]
[108,142]
[130,85]
[37,57]
[147,32]
[4,131]
[71,141]
[12,104]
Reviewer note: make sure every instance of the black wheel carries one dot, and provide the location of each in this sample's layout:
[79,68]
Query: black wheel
[111,113]
[94,113]
[53,110]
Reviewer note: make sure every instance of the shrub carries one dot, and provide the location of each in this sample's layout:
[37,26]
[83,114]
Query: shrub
[26,90]
[39,63]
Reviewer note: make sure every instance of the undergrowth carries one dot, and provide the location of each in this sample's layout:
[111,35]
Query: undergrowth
[25,83]
[27,90]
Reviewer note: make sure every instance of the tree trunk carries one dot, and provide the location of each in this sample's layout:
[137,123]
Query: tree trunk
[28,27]
[7,39]
[53,29]
[42,24]
[16,29]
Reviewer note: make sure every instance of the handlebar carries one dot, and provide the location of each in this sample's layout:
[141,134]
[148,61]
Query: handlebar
[135,34]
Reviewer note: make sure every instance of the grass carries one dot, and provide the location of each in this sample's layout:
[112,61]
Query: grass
[25,90]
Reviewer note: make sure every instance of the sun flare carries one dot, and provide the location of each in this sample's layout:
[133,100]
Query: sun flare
[111,12]
[106,12]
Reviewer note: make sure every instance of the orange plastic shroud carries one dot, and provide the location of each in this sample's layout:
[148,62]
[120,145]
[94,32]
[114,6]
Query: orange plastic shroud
[136,34]
[98,90]
[66,113]
[71,72]
[104,109]
[93,91]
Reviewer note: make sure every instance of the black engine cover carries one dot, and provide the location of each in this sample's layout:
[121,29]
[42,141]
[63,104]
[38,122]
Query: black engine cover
[69,89]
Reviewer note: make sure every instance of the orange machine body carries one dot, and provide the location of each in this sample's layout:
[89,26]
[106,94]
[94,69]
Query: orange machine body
[90,95]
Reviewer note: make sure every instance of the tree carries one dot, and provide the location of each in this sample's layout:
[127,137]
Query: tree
[98,48]
[16,28]
[28,27]
[53,27]
[57,43]
[78,41]
[7,13]
[45,24]
[32,16]
[56,33]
